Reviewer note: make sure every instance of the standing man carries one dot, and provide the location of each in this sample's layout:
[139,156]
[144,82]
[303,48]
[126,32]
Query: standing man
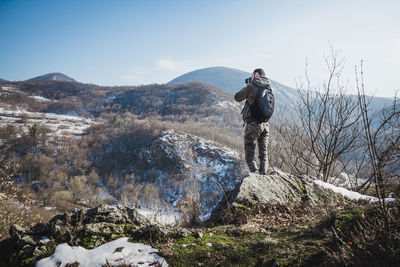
[255,131]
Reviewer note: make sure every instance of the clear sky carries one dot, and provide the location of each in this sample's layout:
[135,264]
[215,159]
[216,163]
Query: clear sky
[142,42]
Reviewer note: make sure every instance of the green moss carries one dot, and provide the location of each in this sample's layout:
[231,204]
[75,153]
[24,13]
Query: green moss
[116,236]
[339,196]
[348,218]
[30,261]
[89,242]
[240,206]
[221,249]
[286,246]
[221,228]
[303,190]
[47,252]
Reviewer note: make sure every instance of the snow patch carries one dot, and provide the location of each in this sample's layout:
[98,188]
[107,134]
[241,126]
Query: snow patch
[227,104]
[347,193]
[115,253]
[346,180]
[8,88]
[40,98]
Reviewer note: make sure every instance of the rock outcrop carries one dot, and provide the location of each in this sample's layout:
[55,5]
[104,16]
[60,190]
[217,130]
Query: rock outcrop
[275,188]
[88,228]
[179,164]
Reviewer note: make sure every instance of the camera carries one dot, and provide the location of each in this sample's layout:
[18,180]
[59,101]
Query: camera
[247,80]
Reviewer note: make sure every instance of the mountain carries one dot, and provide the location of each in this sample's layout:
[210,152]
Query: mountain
[2,80]
[232,80]
[229,79]
[56,76]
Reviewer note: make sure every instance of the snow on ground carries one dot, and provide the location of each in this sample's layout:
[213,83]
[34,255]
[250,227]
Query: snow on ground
[40,98]
[227,104]
[117,252]
[347,193]
[346,180]
[8,88]
[59,124]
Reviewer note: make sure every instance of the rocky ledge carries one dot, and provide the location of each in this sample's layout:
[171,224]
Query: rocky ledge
[277,187]
[87,228]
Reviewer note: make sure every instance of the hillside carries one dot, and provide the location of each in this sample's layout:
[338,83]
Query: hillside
[73,97]
[232,80]
[56,76]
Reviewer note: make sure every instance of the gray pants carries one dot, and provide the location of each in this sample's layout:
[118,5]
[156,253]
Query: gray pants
[256,133]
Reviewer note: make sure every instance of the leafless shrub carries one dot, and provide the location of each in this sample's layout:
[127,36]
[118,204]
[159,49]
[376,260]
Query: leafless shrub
[329,117]
[190,204]
[382,140]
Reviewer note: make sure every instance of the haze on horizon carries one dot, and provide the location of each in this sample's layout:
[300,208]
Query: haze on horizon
[142,42]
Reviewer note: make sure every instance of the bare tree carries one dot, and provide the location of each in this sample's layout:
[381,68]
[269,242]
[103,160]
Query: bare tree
[382,139]
[290,149]
[329,117]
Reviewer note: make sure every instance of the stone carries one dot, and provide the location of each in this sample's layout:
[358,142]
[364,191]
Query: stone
[16,231]
[38,229]
[39,250]
[27,250]
[198,234]
[104,228]
[276,188]
[30,240]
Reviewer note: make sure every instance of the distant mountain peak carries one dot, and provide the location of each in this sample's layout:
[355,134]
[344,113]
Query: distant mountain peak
[2,80]
[55,76]
[226,78]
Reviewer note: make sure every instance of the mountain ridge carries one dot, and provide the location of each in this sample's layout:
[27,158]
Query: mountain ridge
[232,80]
[54,76]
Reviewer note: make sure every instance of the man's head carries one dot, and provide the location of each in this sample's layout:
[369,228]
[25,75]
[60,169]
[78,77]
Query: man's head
[257,73]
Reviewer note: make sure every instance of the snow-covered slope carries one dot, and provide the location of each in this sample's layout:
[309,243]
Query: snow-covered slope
[58,124]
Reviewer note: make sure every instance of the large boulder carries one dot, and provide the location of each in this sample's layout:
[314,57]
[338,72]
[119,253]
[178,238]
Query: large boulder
[181,164]
[277,187]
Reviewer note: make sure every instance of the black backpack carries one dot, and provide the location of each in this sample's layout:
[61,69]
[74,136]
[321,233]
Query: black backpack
[263,105]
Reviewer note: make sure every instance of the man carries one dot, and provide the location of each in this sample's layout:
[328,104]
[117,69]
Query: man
[255,132]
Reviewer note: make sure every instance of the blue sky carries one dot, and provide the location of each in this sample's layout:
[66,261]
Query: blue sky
[142,42]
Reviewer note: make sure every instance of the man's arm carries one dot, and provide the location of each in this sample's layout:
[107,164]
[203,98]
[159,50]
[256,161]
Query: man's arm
[242,94]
